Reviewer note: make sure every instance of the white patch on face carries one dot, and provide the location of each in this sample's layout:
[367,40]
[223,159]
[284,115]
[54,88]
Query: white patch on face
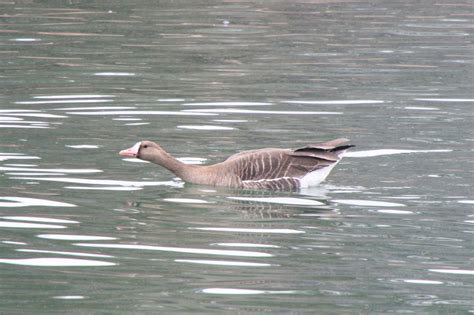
[136,148]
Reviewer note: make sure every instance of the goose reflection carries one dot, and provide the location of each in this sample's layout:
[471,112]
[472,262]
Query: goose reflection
[237,203]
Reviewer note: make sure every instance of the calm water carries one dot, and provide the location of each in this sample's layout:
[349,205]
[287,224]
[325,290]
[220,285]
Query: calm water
[84,231]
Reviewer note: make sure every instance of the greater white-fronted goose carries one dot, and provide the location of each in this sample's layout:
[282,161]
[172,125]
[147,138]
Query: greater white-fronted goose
[276,169]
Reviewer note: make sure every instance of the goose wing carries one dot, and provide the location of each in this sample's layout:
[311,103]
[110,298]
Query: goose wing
[269,164]
[272,164]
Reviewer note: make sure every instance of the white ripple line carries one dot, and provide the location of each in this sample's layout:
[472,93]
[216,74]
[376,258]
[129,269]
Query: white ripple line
[337,102]
[445,99]
[141,112]
[28,202]
[223,263]
[56,262]
[201,251]
[250,230]
[26,250]
[107,182]
[248,111]
[63,102]
[52,170]
[72,96]
[227,104]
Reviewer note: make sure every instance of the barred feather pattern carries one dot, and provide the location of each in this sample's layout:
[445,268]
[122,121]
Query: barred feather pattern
[280,169]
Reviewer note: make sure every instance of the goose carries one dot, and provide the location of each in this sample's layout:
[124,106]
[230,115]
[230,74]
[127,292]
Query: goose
[269,168]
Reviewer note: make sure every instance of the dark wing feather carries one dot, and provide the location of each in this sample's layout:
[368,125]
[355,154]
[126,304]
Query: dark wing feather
[316,153]
[330,145]
[329,151]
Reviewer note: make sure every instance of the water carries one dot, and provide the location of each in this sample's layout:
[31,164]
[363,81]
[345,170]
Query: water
[85,231]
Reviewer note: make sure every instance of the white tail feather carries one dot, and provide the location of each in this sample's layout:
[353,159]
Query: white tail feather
[316,177]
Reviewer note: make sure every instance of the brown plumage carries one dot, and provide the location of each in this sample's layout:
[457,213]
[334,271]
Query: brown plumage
[276,169]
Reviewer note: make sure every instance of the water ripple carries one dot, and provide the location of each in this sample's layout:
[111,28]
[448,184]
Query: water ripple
[104,188]
[57,262]
[72,237]
[24,127]
[204,127]
[62,102]
[249,111]
[53,170]
[22,225]
[26,250]
[83,146]
[456,100]
[185,200]
[339,102]
[12,118]
[29,202]
[37,219]
[223,263]
[203,251]
[453,271]
[368,203]
[380,152]
[418,281]
[232,291]
[34,113]
[140,112]
[107,182]
[227,104]
[69,297]
[390,211]
[95,108]
[33,174]
[189,160]
[119,74]
[250,230]
[246,245]
[420,108]
[67,96]
[17,156]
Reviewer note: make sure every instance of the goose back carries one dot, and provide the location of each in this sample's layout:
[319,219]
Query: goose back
[284,169]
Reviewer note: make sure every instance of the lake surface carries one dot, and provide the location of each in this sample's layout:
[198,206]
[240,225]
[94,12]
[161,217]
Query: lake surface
[84,231]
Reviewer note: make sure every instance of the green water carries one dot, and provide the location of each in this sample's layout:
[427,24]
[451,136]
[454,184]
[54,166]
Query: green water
[85,232]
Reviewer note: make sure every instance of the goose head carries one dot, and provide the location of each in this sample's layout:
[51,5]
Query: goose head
[144,150]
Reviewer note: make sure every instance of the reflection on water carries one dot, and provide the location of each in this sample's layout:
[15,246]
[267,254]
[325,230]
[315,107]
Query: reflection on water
[243,291]
[379,152]
[454,271]
[56,262]
[108,183]
[69,237]
[280,200]
[368,203]
[28,202]
[63,253]
[250,230]
[250,111]
[390,231]
[223,263]
[30,225]
[219,252]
